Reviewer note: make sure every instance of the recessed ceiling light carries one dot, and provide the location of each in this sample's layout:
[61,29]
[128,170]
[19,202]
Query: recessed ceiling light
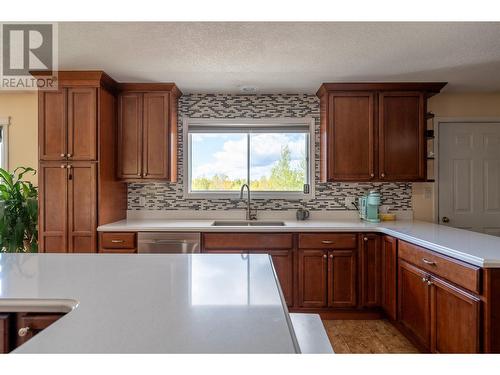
[248,89]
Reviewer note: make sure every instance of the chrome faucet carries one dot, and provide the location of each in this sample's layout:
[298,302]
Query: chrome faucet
[250,215]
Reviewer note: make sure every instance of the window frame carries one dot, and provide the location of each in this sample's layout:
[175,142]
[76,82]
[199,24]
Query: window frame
[248,122]
[4,125]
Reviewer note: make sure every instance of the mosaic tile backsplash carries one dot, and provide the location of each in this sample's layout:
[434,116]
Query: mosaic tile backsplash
[328,196]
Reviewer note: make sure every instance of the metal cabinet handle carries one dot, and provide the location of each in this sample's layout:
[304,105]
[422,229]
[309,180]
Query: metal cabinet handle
[331,255]
[324,256]
[429,262]
[63,155]
[382,175]
[445,219]
[372,175]
[424,279]
[327,242]
[68,166]
[429,282]
[138,174]
[68,155]
[117,241]
[365,238]
[23,331]
[63,166]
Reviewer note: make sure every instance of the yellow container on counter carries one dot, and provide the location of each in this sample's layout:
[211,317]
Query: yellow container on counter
[387,217]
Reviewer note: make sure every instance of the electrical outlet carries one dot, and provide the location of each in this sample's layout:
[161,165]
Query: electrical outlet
[349,203]
[142,201]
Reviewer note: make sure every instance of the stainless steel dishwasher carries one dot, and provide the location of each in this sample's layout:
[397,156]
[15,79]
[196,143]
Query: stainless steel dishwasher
[168,243]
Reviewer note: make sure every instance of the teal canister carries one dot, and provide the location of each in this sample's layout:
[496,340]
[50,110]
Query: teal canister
[372,206]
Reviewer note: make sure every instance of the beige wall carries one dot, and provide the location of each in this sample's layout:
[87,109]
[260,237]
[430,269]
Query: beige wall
[23,131]
[452,105]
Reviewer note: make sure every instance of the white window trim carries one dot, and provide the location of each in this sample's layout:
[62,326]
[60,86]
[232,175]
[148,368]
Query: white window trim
[281,121]
[4,124]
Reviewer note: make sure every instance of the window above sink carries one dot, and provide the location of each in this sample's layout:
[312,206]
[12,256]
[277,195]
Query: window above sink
[274,156]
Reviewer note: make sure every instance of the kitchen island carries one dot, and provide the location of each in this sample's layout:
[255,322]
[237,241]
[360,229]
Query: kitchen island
[150,303]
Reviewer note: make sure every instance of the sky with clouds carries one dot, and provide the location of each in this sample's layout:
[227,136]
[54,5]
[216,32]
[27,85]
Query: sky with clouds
[218,153]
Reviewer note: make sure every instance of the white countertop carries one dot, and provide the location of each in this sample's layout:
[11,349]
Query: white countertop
[475,248]
[149,303]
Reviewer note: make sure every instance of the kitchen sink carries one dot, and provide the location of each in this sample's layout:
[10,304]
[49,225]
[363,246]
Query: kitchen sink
[247,223]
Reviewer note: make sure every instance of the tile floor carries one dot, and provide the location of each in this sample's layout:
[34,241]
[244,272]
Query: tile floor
[366,336]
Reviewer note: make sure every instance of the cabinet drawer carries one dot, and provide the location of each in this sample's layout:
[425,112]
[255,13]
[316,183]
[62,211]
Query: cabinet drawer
[459,273]
[247,241]
[117,241]
[327,241]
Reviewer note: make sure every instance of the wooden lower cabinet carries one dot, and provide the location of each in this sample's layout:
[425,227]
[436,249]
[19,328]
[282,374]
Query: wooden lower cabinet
[327,278]
[342,278]
[30,324]
[455,317]
[312,288]
[414,309]
[68,207]
[439,316]
[283,264]
[5,320]
[389,249]
[371,267]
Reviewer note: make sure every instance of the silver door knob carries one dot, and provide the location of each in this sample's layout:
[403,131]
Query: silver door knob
[324,256]
[372,175]
[63,155]
[63,166]
[68,155]
[23,331]
[382,175]
[445,219]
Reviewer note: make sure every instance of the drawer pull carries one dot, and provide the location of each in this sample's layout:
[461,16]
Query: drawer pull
[23,331]
[327,242]
[117,241]
[324,256]
[429,262]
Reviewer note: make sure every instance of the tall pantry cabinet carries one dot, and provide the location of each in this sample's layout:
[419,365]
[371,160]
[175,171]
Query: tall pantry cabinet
[78,188]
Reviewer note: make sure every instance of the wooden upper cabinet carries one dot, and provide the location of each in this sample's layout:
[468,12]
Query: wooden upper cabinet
[350,136]
[53,203]
[155,136]
[401,128]
[374,131]
[82,123]
[68,124]
[147,132]
[130,136]
[52,127]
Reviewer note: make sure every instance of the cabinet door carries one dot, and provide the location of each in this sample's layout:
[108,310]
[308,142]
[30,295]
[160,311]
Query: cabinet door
[130,136]
[455,319]
[32,324]
[4,333]
[389,275]
[82,204]
[53,223]
[342,278]
[283,264]
[52,130]
[414,303]
[155,136]
[351,136]
[371,266]
[82,123]
[401,136]
[312,278]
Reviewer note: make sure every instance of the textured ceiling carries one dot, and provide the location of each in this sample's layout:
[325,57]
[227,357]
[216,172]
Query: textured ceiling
[285,57]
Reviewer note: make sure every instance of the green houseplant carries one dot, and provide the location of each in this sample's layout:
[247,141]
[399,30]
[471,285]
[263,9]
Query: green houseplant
[18,212]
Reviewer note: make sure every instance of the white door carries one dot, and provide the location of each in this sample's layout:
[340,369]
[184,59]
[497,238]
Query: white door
[469,176]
